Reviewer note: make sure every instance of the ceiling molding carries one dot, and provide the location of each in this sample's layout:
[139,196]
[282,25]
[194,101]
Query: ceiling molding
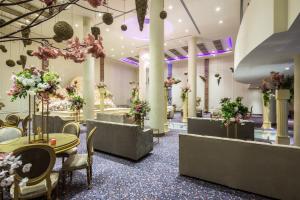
[190,15]
[202,48]
[218,44]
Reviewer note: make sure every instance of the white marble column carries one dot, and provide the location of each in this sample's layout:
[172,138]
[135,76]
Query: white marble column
[156,71]
[192,76]
[297,100]
[282,97]
[88,77]
[144,62]
[266,115]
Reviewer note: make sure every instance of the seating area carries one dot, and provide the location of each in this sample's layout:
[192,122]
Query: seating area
[149,99]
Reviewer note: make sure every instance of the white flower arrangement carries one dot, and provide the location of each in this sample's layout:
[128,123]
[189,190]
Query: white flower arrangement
[7,170]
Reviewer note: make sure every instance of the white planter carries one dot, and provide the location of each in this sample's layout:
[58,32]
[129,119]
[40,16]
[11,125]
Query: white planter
[266,115]
[185,110]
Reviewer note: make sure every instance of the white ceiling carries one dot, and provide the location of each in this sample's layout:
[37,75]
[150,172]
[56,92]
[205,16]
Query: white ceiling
[119,44]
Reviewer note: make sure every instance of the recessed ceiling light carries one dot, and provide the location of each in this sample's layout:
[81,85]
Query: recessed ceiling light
[122,46]
[132,44]
[122,53]
[107,29]
[218,9]
[76,25]
[187,30]
[99,14]
[132,51]
[27,21]
[113,55]
[36,15]
[170,7]
[179,20]
[213,52]
[122,38]
[221,22]
[165,44]
[68,7]
[287,68]
[112,49]
[227,49]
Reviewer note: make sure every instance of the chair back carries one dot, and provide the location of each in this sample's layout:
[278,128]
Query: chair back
[9,133]
[1,123]
[90,144]
[12,120]
[41,156]
[72,128]
[25,123]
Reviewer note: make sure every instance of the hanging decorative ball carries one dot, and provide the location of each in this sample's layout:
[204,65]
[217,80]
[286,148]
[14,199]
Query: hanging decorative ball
[163,14]
[57,39]
[2,21]
[108,18]
[19,62]
[63,30]
[29,52]
[95,31]
[10,63]
[3,48]
[124,27]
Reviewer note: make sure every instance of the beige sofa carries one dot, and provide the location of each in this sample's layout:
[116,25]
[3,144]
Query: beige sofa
[214,127]
[115,117]
[125,140]
[262,168]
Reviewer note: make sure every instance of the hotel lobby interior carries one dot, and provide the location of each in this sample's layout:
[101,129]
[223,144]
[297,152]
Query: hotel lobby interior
[150,99]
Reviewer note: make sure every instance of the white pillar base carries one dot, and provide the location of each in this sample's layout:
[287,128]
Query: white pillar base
[283,140]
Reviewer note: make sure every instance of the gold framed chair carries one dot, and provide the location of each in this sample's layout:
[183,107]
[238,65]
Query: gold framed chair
[41,179]
[1,123]
[82,161]
[25,123]
[9,133]
[71,128]
[12,120]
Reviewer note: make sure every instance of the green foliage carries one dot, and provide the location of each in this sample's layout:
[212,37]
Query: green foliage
[232,110]
[77,102]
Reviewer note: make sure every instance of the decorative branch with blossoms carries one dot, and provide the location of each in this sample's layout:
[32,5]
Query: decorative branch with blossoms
[101,85]
[7,170]
[76,50]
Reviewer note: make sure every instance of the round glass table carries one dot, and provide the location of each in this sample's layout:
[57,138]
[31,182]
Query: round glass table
[64,142]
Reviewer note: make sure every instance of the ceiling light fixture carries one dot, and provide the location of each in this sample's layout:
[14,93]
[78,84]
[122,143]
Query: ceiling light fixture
[76,25]
[99,14]
[122,38]
[287,68]
[123,47]
[113,55]
[218,9]
[221,22]
[187,30]
[179,20]
[165,44]
[107,29]
[132,51]
[112,49]
[170,7]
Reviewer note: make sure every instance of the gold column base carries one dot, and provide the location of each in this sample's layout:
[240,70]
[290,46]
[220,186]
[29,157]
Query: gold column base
[283,140]
[266,125]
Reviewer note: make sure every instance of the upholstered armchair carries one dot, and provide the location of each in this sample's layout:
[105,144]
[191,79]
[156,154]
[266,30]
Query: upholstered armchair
[9,133]
[12,120]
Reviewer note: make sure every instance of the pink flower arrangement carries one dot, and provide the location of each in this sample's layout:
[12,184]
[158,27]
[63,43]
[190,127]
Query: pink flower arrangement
[48,2]
[171,81]
[94,47]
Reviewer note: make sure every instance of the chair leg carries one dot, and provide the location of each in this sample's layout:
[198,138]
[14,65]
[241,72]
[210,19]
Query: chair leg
[91,173]
[71,176]
[88,177]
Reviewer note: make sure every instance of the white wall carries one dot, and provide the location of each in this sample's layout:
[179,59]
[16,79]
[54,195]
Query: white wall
[227,88]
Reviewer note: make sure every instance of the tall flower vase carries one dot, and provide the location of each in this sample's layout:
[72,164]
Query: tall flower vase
[166,123]
[139,120]
[282,97]
[102,92]
[266,116]
[185,109]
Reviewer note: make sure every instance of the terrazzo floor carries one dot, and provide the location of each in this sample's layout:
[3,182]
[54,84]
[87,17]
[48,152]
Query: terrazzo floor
[154,177]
